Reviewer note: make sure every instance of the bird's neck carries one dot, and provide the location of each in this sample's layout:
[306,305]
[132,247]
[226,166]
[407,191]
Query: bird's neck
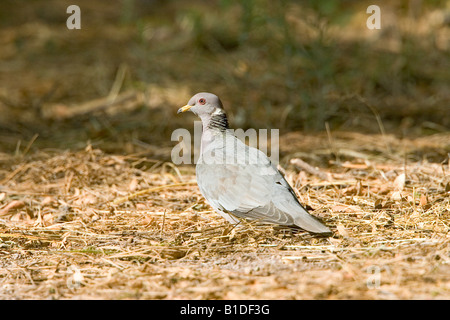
[217,121]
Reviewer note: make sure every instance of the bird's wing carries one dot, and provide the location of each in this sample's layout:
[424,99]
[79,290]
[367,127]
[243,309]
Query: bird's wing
[247,185]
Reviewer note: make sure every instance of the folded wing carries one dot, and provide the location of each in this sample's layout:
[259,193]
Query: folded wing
[244,183]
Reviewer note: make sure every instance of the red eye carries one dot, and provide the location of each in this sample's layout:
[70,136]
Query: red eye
[201,101]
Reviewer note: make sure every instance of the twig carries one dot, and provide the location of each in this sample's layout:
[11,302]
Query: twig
[330,141]
[163,223]
[118,82]
[22,167]
[146,191]
[27,148]
[314,171]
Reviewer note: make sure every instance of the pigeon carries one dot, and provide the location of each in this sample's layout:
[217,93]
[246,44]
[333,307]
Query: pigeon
[239,181]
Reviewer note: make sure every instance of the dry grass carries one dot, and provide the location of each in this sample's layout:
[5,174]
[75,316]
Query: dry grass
[82,225]
[290,65]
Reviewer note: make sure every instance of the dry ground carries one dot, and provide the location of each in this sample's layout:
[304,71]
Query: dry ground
[112,218]
[88,225]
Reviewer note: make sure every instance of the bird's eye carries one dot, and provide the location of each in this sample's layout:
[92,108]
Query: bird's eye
[201,101]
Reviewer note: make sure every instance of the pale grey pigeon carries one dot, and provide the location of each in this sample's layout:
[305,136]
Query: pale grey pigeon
[240,181]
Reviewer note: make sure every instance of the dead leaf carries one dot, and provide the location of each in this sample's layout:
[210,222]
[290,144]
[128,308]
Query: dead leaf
[378,204]
[423,200]
[48,201]
[12,206]
[399,182]
[339,208]
[141,206]
[133,184]
[358,188]
[396,195]
[341,230]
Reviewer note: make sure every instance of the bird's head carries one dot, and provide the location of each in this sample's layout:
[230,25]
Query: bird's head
[203,104]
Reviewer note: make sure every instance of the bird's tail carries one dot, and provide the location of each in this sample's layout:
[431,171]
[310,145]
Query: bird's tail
[312,224]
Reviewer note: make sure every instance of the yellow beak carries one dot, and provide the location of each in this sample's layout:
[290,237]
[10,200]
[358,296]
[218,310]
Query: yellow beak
[184,109]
